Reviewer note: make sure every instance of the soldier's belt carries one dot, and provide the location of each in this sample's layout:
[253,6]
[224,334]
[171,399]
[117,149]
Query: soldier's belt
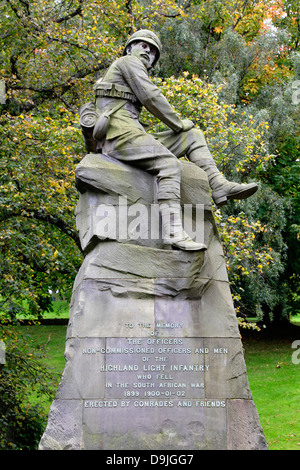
[113,90]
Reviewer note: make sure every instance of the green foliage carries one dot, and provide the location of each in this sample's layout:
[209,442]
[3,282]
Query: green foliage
[227,42]
[223,65]
[250,51]
[252,230]
[22,422]
[51,54]
[38,238]
[236,140]
[283,176]
[254,248]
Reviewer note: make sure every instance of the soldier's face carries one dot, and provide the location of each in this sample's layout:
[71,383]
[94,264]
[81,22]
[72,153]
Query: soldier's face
[145,52]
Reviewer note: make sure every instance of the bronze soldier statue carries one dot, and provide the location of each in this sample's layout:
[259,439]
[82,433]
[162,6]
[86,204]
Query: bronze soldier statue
[118,133]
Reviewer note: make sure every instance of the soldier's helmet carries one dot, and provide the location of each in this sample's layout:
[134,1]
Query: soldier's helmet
[147,36]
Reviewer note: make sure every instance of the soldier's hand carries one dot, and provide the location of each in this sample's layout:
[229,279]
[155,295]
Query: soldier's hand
[187,125]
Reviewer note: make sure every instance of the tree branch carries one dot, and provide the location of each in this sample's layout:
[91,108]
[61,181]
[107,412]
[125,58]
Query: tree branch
[76,12]
[57,90]
[241,15]
[48,218]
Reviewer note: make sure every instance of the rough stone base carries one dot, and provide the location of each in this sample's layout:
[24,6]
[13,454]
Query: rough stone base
[235,427]
[153,354]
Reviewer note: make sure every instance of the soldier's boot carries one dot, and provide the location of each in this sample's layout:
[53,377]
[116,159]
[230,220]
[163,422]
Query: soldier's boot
[173,233]
[222,189]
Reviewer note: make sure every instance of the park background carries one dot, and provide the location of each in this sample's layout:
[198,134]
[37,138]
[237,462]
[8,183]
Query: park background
[231,67]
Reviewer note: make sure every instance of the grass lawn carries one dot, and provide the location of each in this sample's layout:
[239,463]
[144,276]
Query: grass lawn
[295,319]
[52,339]
[60,310]
[274,381]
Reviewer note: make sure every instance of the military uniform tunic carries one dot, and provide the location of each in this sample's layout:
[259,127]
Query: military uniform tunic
[127,140]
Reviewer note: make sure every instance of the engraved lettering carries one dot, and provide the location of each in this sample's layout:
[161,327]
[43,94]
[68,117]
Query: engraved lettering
[164,377]
[143,385]
[101,404]
[201,351]
[119,368]
[197,385]
[149,374]
[191,367]
[154,403]
[154,367]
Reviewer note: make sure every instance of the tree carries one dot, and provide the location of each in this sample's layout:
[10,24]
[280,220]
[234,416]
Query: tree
[45,65]
[250,50]
[251,231]
[51,55]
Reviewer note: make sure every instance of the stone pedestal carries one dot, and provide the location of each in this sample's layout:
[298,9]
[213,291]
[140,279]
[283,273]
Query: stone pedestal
[153,353]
